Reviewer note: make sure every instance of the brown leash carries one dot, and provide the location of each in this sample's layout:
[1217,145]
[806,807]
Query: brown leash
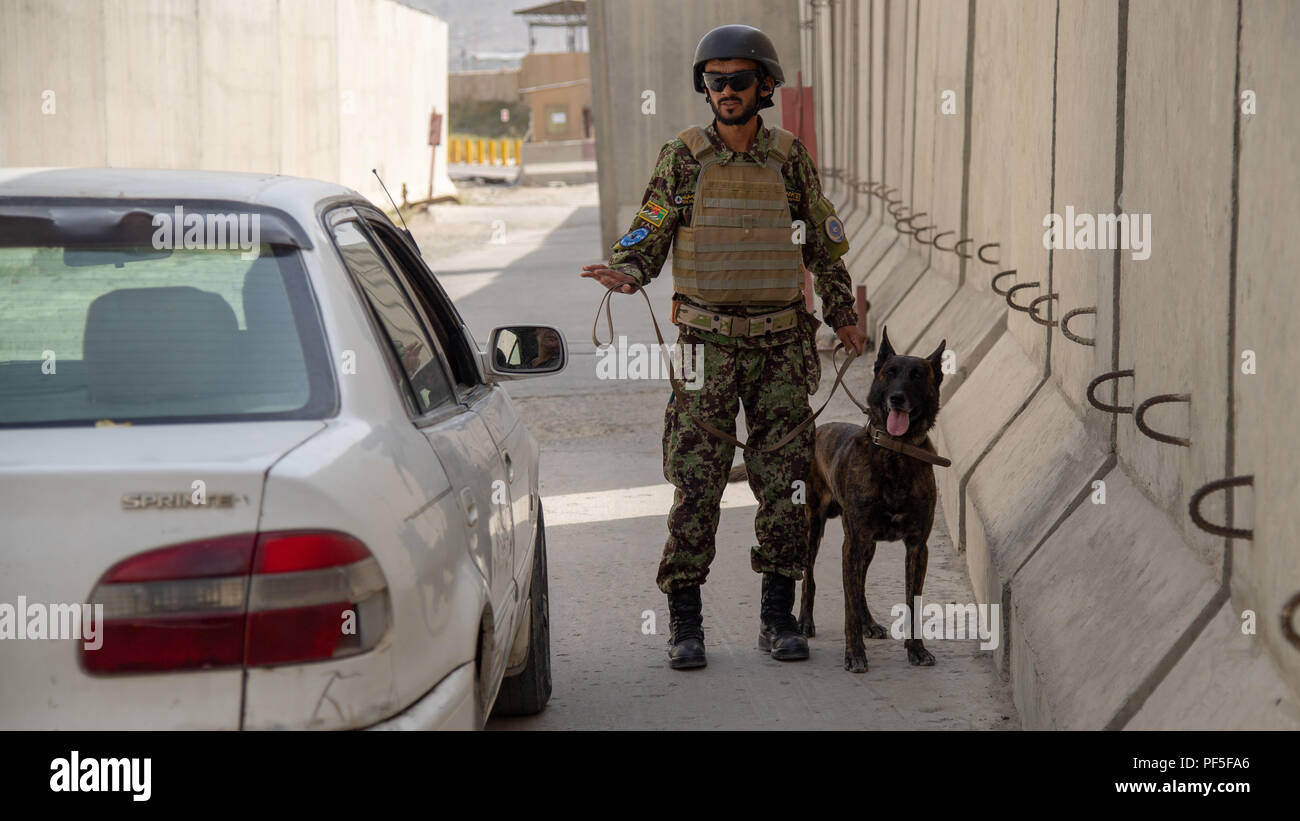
[682,399]
[877,437]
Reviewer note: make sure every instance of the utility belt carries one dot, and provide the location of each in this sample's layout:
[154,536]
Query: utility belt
[732,325]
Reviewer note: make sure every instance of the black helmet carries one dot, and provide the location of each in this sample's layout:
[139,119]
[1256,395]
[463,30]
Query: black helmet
[738,42]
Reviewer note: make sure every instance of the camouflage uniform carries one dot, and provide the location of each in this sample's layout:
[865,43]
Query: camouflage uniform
[771,376]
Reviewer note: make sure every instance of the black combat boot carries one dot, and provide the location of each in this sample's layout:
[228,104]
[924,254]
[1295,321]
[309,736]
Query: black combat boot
[779,632]
[687,629]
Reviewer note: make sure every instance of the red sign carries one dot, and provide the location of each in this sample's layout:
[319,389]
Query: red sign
[435,128]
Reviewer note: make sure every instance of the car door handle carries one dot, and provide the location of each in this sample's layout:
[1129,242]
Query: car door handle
[510,466]
[471,509]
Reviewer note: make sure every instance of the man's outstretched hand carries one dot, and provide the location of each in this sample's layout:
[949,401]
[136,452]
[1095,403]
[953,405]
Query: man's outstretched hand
[853,338]
[608,277]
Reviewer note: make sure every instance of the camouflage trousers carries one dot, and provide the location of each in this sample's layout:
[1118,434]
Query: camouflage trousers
[773,384]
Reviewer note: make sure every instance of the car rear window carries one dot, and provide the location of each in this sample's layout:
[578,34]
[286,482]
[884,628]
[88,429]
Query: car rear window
[93,331]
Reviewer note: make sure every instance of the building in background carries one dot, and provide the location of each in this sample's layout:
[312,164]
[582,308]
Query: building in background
[556,86]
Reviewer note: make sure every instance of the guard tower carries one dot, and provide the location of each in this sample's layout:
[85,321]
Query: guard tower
[570,15]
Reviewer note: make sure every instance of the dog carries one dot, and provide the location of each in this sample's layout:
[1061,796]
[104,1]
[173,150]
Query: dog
[883,495]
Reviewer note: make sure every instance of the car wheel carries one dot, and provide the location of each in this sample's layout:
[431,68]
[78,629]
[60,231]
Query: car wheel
[527,692]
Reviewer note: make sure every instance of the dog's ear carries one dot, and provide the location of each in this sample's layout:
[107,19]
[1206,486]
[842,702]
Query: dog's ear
[936,362]
[885,352]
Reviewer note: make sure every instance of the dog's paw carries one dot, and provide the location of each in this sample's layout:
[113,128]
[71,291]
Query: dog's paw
[918,656]
[807,627]
[855,663]
[872,630]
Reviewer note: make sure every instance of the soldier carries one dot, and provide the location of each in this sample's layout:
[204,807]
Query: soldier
[726,199]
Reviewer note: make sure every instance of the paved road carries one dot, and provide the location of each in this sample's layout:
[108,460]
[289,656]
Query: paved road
[605,500]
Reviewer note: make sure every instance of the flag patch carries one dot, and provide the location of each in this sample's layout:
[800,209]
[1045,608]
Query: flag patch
[653,213]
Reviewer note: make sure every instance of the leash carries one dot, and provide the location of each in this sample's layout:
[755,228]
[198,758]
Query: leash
[680,397]
[877,437]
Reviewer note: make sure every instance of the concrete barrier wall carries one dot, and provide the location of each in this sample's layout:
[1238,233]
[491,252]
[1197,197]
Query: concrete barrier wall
[1118,610]
[1266,571]
[315,88]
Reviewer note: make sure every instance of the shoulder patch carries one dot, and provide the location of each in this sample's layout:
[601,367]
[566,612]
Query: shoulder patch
[834,229]
[793,196]
[633,237]
[823,214]
[684,199]
[653,213]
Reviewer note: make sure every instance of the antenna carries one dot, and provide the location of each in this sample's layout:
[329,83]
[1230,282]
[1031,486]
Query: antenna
[405,227]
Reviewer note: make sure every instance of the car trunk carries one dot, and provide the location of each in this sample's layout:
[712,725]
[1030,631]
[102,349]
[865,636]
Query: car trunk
[74,502]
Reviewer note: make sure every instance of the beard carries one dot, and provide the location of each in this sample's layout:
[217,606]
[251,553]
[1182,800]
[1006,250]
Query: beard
[746,114]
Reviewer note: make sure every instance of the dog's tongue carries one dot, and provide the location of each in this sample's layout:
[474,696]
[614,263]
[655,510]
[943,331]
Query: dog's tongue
[897,422]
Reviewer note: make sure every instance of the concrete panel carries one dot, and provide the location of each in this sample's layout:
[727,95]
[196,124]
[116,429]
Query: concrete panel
[1178,146]
[909,10]
[1085,181]
[853,228]
[823,83]
[53,107]
[237,38]
[879,68]
[840,113]
[1019,491]
[918,308]
[880,273]
[925,109]
[970,323]
[152,91]
[949,130]
[1097,608]
[309,89]
[975,415]
[239,86]
[895,76]
[649,46]
[869,256]
[402,109]
[1030,179]
[860,65]
[1225,681]
[1266,572]
[891,292]
[992,162]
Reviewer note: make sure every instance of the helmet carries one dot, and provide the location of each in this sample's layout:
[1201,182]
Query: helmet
[738,42]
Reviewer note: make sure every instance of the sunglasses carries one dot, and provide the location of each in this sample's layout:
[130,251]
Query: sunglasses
[739,81]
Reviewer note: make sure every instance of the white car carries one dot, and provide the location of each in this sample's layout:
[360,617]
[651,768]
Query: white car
[241,422]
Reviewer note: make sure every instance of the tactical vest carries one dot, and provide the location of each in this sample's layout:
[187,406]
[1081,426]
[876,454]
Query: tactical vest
[738,248]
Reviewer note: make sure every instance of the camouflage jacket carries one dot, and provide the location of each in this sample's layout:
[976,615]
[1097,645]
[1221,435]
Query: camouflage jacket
[670,195]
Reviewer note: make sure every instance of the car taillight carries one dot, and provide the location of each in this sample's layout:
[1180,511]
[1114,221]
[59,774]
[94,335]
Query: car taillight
[313,596]
[251,599]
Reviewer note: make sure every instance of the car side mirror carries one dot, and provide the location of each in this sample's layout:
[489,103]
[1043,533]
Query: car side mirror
[519,351]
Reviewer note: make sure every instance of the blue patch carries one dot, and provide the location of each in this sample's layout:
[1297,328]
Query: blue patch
[834,229]
[633,237]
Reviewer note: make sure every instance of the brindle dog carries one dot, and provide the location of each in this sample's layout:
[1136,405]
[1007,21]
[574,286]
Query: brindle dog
[884,496]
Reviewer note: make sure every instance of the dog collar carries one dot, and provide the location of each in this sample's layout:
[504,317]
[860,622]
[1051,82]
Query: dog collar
[884,440]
